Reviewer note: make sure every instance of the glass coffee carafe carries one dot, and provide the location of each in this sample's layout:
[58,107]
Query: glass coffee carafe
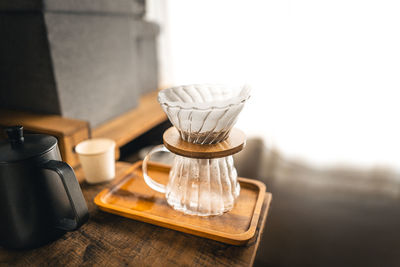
[202,115]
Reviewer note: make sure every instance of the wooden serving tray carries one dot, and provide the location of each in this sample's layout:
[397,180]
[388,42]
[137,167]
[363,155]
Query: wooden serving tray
[132,198]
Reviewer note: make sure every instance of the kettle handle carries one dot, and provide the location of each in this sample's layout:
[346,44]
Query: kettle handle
[74,193]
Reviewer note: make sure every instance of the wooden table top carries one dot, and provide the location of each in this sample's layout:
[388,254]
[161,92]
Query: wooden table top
[110,240]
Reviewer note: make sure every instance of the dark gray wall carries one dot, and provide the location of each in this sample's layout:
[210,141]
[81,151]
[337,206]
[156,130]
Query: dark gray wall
[88,59]
[26,75]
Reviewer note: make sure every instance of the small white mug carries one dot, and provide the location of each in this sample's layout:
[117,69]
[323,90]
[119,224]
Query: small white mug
[97,157]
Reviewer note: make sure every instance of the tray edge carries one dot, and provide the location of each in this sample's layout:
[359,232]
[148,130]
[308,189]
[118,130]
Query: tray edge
[233,239]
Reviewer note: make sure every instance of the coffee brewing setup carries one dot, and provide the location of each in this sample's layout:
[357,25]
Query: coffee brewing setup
[203,178]
[201,193]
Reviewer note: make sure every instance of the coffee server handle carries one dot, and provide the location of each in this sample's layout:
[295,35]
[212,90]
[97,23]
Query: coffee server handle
[74,193]
[149,181]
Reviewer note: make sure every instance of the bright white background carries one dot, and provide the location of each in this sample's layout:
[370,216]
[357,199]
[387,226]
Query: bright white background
[325,74]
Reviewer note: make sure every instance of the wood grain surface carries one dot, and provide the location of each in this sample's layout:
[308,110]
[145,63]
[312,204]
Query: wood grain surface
[110,240]
[133,198]
[232,145]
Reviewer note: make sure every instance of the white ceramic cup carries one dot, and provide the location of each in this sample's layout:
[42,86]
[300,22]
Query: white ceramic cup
[97,158]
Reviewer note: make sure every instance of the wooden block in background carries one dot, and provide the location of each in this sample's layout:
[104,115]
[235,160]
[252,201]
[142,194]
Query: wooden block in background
[70,132]
[133,123]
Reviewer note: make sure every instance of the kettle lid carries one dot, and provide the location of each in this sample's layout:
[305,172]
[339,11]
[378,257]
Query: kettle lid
[19,147]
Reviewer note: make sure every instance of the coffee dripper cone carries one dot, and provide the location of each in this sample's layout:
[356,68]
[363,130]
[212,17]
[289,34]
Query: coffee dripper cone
[203,114]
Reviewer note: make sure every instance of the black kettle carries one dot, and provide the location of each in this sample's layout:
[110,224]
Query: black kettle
[40,197]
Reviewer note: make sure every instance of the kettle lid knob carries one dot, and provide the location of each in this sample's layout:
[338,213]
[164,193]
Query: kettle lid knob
[15,135]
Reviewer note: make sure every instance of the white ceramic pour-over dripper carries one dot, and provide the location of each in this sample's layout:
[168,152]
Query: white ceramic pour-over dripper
[203,114]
